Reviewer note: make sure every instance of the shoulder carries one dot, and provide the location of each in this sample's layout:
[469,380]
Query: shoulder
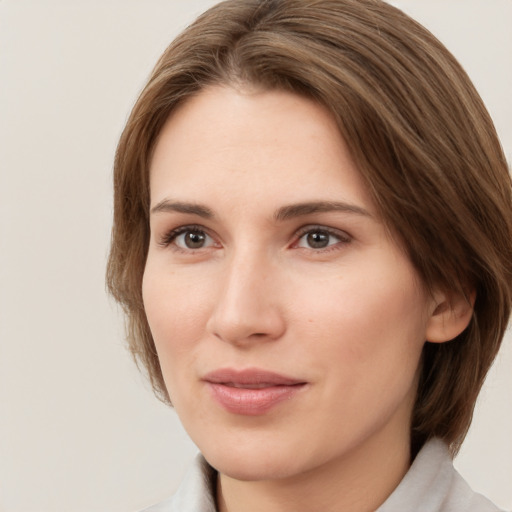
[433,485]
[195,493]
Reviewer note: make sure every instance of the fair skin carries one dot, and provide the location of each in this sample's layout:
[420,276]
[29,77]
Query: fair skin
[267,255]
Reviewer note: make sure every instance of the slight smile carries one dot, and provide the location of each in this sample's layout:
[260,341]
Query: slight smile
[251,392]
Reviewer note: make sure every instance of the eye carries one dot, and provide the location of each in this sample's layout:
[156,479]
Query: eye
[188,238]
[321,238]
[192,240]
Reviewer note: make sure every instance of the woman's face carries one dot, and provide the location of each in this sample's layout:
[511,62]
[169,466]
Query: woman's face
[289,326]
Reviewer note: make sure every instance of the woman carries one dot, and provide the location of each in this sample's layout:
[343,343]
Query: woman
[312,242]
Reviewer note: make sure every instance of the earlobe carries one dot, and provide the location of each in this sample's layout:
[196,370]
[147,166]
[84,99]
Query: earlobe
[451,314]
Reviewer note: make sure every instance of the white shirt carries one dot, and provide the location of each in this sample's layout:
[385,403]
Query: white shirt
[431,485]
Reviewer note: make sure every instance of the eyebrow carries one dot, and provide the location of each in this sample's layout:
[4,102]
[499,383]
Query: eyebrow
[178,206]
[301,209]
[282,214]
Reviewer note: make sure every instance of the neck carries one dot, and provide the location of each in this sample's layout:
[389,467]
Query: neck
[358,481]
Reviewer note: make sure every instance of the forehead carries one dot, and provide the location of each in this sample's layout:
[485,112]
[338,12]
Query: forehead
[227,118]
[262,145]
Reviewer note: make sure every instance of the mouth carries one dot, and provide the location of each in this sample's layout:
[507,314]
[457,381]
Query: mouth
[261,385]
[251,392]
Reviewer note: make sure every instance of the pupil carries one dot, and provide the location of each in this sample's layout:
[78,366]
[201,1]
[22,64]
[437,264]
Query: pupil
[318,240]
[194,240]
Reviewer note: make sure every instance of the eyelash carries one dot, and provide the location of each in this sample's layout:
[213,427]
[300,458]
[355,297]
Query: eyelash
[344,238]
[170,236]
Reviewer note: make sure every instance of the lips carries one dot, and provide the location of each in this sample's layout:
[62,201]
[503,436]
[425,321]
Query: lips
[251,392]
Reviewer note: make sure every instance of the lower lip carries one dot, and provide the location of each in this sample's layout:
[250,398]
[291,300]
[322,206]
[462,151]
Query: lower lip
[252,402]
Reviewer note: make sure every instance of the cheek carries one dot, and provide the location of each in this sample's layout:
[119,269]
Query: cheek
[172,302]
[367,319]
[172,322]
[175,312]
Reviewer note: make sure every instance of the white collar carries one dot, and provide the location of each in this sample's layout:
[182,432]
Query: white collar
[431,485]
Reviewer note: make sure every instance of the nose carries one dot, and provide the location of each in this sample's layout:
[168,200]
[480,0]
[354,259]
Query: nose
[247,309]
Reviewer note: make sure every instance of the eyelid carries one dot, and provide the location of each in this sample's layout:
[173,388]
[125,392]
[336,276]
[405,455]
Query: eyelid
[342,235]
[169,236]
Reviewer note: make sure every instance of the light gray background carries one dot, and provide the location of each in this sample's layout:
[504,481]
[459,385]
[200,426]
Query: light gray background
[79,429]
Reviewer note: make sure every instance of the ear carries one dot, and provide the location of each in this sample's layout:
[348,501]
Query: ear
[451,314]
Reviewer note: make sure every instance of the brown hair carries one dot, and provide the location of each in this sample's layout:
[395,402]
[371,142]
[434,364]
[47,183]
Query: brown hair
[418,131]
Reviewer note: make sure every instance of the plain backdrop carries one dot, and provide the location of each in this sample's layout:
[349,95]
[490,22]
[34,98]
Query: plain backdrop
[79,428]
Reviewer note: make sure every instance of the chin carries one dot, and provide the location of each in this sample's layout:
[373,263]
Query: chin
[252,467]
[249,457]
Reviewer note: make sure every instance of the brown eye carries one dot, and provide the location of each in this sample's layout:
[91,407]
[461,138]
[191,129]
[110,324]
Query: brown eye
[193,239]
[318,239]
[322,238]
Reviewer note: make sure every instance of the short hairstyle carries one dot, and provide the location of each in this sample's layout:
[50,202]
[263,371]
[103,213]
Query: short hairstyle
[416,128]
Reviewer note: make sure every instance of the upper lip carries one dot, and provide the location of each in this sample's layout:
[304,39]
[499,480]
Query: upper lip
[250,377]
